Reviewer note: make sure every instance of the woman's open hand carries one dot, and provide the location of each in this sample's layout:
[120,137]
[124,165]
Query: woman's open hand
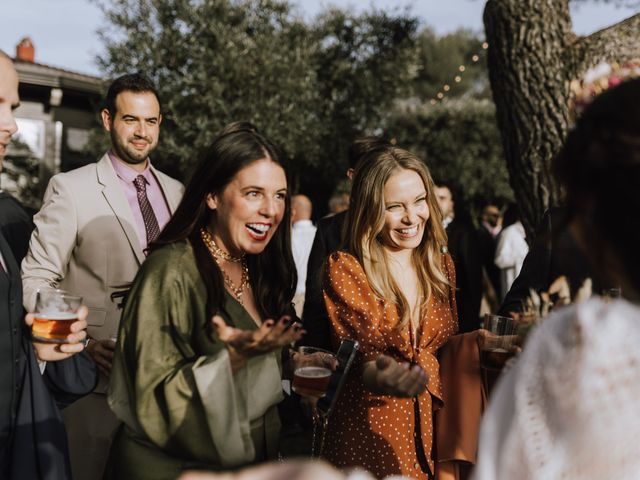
[268,337]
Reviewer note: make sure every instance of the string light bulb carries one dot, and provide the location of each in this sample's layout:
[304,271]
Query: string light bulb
[458,78]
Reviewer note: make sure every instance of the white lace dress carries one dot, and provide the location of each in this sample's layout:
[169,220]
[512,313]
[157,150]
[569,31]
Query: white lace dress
[569,408]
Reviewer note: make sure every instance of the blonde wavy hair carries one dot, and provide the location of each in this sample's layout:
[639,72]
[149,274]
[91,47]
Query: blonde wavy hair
[365,221]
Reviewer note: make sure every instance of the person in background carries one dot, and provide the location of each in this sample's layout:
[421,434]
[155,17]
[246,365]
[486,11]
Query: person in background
[487,238]
[554,253]
[511,249]
[36,378]
[392,290]
[338,203]
[90,236]
[201,348]
[302,234]
[327,240]
[464,251]
[568,407]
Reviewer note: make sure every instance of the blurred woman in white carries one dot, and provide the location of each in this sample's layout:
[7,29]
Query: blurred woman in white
[569,407]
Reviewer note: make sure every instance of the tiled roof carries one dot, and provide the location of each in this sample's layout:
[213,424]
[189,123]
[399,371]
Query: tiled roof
[46,75]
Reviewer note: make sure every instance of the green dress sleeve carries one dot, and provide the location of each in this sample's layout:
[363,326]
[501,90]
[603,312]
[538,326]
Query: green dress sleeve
[171,381]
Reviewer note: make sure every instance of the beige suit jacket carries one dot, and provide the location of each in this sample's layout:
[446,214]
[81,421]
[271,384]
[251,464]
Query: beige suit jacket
[85,241]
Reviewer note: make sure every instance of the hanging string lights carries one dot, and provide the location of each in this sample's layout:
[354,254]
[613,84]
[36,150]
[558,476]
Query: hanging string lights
[458,78]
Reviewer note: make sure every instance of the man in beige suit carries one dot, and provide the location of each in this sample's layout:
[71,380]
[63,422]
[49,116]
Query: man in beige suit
[90,236]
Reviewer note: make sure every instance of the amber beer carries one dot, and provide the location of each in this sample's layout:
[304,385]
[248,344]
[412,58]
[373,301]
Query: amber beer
[53,327]
[56,310]
[311,381]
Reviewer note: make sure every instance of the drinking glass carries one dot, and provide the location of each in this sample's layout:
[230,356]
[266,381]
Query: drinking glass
[610,294]
[311,378]
[499,344]
[55,311]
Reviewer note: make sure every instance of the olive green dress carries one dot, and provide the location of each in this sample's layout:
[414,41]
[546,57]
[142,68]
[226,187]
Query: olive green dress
[172,385]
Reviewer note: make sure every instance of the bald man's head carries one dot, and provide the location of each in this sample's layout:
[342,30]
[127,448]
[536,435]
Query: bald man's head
[9,101]
[301,208]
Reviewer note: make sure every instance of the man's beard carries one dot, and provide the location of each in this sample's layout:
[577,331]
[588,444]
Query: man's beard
[127,156]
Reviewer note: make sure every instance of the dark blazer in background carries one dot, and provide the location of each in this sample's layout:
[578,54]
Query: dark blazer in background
[487,244]
[16,225]
[33,443]
[328,239]
[554,253]
[462,245]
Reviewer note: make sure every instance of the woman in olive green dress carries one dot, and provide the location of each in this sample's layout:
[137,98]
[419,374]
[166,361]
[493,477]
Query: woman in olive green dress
[197,370]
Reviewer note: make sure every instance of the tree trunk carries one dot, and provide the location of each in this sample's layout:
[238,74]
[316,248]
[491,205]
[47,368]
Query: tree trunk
[533,56]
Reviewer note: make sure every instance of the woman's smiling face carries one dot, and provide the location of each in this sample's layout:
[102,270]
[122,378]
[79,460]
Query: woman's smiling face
[406,211]
[250,208]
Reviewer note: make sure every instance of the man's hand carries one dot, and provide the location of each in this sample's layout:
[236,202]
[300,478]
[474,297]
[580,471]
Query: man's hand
[102,353]
[244,344]
[385,376]
[52,352]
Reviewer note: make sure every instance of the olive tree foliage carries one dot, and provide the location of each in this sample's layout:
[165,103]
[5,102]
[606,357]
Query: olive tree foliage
[215,62]
[460,143]
[439,59]
[363,64]
[311,87]
[533,56]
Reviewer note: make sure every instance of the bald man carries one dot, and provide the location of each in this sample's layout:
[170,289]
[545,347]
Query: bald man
[302,235]
[35,378]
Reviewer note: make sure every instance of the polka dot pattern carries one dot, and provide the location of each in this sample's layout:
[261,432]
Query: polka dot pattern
[385,435]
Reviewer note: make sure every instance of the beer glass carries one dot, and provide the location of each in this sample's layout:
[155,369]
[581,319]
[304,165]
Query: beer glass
[499,345]
[55,311]
[311,377]
[610,294]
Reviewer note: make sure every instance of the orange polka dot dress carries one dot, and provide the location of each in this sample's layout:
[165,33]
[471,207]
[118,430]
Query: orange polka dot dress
[384,434]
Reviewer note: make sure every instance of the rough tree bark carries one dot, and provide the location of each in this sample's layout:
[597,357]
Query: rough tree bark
[533,56]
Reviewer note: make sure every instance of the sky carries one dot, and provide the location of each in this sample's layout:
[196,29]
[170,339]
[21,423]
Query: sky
[64,31]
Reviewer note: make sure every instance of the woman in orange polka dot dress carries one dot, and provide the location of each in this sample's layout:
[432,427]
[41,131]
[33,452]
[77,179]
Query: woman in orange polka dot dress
[392,290]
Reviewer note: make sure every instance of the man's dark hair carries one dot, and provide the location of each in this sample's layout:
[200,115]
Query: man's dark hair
[131,82]
[446,185]
[362,146]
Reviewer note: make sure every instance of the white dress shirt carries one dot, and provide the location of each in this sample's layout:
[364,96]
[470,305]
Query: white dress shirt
[302,235]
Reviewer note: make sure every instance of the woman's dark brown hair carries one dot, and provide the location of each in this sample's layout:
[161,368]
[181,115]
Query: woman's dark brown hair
[272,273]
[599,167]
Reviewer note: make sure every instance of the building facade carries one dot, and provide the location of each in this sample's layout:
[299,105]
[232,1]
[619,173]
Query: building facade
[58,111]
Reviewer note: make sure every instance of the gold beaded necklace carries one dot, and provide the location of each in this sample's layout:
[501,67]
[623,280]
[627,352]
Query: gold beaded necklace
[218,256]
[215,250]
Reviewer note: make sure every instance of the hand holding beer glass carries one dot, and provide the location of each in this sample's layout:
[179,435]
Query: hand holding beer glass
[312,371]
[57,325]
[499,343]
